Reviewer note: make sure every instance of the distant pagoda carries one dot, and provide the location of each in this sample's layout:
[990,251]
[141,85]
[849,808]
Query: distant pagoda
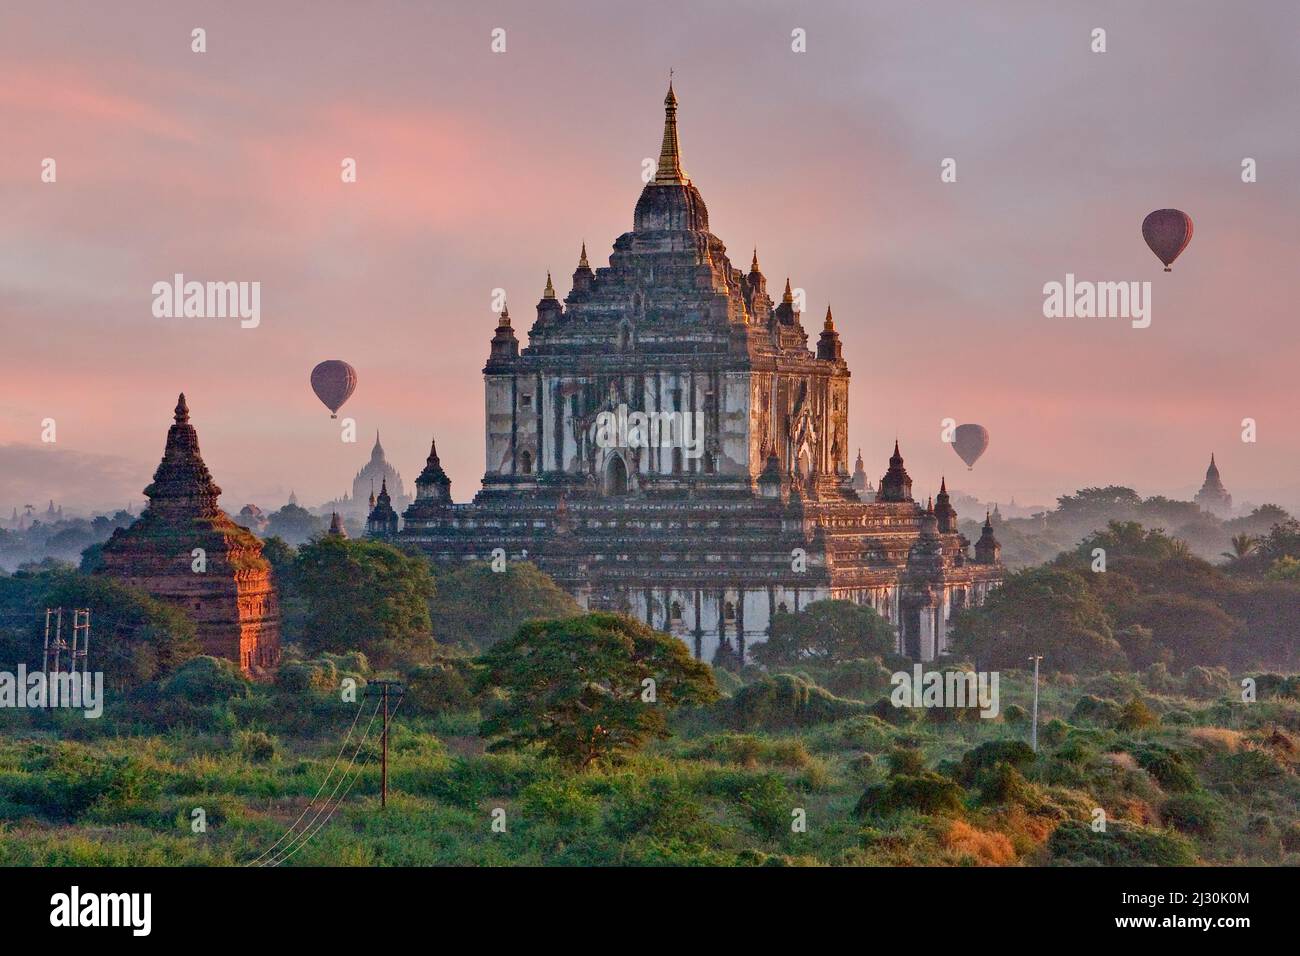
[226,587]
[1213,497]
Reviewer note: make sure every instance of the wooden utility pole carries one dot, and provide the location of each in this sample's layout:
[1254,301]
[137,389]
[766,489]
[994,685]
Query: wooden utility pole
[384,686]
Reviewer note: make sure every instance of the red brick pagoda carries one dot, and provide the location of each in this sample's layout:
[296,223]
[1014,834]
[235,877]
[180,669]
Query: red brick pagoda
[185,550]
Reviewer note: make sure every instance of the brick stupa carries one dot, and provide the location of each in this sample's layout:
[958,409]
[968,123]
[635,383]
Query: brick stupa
[227,589]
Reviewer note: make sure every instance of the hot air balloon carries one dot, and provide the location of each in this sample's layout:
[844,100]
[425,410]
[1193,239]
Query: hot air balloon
[333,381]
[969,443]
[1167,232]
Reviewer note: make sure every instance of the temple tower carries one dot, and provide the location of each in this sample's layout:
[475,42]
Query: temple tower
[185,550]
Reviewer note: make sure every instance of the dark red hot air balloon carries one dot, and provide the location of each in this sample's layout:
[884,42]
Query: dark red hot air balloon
[969,443]
[333,381]
[1167,232]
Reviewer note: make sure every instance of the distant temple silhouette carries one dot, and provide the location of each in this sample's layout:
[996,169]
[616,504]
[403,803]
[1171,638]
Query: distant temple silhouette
[1213,497]
[377,473]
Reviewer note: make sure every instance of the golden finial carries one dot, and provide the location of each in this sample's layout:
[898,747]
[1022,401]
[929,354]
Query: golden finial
[505,315]
[830,323]
[789,296]
[670,171]
[550,289]
[582,259]
[753,265]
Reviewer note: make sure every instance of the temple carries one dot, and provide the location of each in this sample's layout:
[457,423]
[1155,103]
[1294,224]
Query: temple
[1213,497]
[669,445]
[185,550]
[376,473]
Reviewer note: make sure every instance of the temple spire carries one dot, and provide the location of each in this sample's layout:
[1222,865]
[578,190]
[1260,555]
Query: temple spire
[549,292]
[670,171]
[183,414]
[582,259]
[753,265]
[830,323]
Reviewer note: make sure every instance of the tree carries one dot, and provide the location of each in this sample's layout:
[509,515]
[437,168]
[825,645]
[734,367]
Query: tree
[1195,630]
[1096,502]
[1242,545]
[363,594]
[590,687]
[1282,541]
[294,524]
[284,563]
[1128,539]
[1047,611]
[282,556]
[478,607]
[826,630]
[134,637]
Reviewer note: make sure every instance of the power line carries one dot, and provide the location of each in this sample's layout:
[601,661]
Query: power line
[308,832]
[319,790]
[339,803]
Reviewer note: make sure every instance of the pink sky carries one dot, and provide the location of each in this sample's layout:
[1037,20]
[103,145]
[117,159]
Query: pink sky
[481,170]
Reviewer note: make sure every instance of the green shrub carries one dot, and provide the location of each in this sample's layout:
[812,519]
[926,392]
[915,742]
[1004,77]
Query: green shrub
[255,746]
[783,702]
[300,676]
[206,680]
[440,687]
[1120,844]
[1170,767]
[1015,714]
[1206,681]
[905,761]
[749,750]
[1054,732]
[767,806]
[64,781]
[927,792]
[1158,678]
[1004,784]
[1198,813]
[1097,711]
[559,802]
[1136,715]
[1076,751]
[1017,753]
[857,677]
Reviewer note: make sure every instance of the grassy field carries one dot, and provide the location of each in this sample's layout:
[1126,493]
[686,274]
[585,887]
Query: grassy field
[1182,769]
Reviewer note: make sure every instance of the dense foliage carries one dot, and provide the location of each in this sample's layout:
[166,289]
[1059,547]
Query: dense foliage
[589,687]
[826,630]
[364,594]
[1150,602]
[477,607]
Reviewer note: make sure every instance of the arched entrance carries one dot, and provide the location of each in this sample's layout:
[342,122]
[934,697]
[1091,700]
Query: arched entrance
[615,476]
